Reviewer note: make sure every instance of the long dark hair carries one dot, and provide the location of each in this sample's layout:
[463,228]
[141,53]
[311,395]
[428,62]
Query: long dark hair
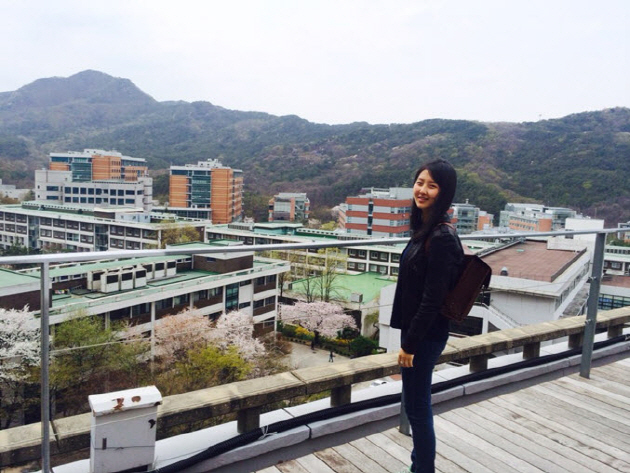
[443,173]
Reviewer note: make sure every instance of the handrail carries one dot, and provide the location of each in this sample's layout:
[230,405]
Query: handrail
[175,250]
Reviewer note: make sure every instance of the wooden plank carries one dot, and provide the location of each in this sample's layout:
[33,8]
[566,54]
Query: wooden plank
[271,469]
[311,463]
[539,443]
[560,439]
[444,465]
[500,437]
[609,383]
[588,388]
[291,466]
[401,439]
[358,459]
[581,421]
[391,447]
[580,401]
[512,454]
[466,461]
[378,455]
[335,461]
[619,371]
[464,454]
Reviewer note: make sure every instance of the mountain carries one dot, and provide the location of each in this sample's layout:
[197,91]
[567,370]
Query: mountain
[580,161]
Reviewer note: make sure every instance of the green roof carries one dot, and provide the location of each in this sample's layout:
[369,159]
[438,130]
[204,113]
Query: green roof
[368,284]
[103,265]
[11,278]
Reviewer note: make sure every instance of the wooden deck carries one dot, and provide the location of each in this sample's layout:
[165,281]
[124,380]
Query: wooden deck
[568,425]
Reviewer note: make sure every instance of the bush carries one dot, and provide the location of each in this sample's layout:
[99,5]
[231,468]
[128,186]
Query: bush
[288,330]
[362,346]
[301,332]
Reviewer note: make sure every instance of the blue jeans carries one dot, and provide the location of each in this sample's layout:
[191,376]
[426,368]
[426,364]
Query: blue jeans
[417,398]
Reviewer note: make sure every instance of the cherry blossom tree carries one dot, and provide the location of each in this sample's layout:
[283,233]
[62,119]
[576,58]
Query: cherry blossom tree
[176,335]
[19,355]
[19,343]
[324,318]
[237,329]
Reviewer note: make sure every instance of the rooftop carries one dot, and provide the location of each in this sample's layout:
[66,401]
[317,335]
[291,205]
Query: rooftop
[368,284]
[531,260]
[616,280]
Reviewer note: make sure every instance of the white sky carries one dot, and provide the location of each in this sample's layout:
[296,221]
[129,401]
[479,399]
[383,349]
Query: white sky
[337,61]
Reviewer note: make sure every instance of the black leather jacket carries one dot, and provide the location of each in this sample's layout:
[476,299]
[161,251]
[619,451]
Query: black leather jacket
[425,275]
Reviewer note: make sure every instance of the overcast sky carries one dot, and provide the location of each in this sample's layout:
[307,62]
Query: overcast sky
[337,61]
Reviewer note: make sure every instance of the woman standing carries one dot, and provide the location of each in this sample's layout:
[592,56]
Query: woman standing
[429,268]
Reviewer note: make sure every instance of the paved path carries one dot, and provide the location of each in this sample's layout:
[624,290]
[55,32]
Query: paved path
[303,357]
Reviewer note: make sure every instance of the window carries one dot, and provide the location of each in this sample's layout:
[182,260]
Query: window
[231,296]
[259,304]
[270,300]
[245,283]
[244,305]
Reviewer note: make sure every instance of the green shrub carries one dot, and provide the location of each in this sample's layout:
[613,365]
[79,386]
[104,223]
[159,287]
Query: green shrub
[362,346]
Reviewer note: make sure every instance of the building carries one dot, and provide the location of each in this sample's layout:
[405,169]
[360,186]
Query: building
[379,213]
[55,227]
[625,236]
[289,207]
[614,292]
[94,178]
[206,190]
[10,191]
[617,260]
[142,290]
[465,217]
[534,217]
[485,221]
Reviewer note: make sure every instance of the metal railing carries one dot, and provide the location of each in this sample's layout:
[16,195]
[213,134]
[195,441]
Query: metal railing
[46,260]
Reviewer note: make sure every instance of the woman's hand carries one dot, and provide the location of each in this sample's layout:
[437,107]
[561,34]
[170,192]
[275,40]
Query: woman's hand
[405,359]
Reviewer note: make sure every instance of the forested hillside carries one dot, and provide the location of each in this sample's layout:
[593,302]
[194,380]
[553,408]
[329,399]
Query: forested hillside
[580,161]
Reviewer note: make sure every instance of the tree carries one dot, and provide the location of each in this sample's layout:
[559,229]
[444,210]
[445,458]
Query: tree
[19,355]
[173,233]
[321,273]
[207,366]
[333,265]
[322,318]
[89,358]
[236,329]
[176,335]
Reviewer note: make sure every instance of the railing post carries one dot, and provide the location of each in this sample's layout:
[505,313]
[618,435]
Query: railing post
[592,303]
[341,396]
[45,388]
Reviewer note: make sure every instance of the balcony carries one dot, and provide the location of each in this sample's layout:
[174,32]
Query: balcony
[505,401]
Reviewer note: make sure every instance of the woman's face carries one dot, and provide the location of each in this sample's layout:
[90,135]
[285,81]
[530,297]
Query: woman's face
[425,191]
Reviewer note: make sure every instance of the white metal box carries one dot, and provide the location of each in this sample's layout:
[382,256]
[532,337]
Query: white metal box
[124,425]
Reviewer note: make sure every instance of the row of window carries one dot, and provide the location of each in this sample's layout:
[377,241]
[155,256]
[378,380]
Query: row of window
[11,217]
[9,227]
[95,191]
